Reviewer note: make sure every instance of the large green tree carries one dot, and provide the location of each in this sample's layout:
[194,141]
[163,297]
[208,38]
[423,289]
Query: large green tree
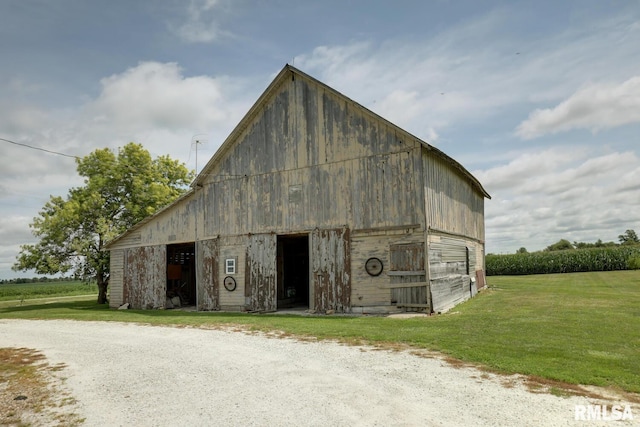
[560,245]
[629,238]
[120,189]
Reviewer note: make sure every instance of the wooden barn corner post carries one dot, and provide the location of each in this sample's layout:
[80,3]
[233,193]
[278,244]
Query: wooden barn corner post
[427,250]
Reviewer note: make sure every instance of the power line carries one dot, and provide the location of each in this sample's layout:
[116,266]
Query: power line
[40,149]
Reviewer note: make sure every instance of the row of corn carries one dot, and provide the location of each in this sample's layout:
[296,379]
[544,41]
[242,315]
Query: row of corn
[567,261]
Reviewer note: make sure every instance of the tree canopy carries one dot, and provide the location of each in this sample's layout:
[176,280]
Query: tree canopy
[120,189]
[629,238]
[560,245]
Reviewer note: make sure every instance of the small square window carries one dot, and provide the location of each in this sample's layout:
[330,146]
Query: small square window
[230,266]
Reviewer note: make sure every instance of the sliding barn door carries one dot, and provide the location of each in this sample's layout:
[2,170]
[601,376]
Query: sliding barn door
[145,277]
[331,269]
[261,273]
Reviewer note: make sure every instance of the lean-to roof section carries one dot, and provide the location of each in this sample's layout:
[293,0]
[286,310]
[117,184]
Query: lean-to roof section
[150,218]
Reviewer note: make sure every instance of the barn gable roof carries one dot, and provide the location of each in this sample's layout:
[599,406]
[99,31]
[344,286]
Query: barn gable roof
[289,72]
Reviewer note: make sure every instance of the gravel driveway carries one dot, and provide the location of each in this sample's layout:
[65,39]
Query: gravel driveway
[129,374]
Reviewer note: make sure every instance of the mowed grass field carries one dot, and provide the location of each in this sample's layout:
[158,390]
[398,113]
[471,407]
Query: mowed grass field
[578,328]
[25,291]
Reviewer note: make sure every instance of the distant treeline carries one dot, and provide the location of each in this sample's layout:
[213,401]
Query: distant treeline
[567,257]
[23,280]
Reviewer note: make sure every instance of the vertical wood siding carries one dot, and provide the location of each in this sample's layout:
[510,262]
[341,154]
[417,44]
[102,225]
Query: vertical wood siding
[451,202]
[312,160]
[145,279]
[309,159]
[116,269]
[331,270]
[207,281]
[260,272]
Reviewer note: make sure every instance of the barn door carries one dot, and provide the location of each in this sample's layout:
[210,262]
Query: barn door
[207,275]
[144,279]
[261,272]
[331,269]
[408,276]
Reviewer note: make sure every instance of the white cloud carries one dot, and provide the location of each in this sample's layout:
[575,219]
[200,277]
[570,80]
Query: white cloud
[152,103]
[456,77]
[155,95]
[22,119]
[14,230]
[577,194]
[202,22]
[595,107]
[526,168]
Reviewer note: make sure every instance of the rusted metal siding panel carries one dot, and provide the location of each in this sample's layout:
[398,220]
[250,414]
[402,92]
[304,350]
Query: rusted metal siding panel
[145,280]
[207,277]
[260,273]
[451,201]
[116,273]
[451,270]
[331,269]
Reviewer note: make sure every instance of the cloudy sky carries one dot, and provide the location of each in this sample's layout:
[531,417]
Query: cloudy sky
[540,100]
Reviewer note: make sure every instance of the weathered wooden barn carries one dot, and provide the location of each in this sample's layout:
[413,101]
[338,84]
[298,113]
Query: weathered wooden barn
[315,202]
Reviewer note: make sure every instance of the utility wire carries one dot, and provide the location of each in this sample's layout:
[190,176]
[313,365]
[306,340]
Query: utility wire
[40,149]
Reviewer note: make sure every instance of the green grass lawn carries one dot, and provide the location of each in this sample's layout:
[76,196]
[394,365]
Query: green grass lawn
[580,328]
[26,291]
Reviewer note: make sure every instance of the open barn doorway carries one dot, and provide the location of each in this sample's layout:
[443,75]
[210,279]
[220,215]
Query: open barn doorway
[293,272]
[181,275]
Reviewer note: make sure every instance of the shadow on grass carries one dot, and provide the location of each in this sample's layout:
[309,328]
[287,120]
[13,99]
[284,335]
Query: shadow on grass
[53,306]
[90,310]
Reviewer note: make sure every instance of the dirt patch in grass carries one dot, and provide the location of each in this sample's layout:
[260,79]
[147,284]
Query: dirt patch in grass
[537,384]
[31,392]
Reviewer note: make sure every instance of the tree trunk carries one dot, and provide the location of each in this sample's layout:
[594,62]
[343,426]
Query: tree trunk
[102,288]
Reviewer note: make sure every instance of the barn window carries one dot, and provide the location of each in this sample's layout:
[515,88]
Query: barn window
[230,266]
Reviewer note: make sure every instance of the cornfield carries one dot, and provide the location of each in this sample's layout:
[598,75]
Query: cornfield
[567,261]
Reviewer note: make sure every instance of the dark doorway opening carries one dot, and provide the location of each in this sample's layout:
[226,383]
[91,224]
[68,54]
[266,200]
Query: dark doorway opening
[293,272]
[181,275]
